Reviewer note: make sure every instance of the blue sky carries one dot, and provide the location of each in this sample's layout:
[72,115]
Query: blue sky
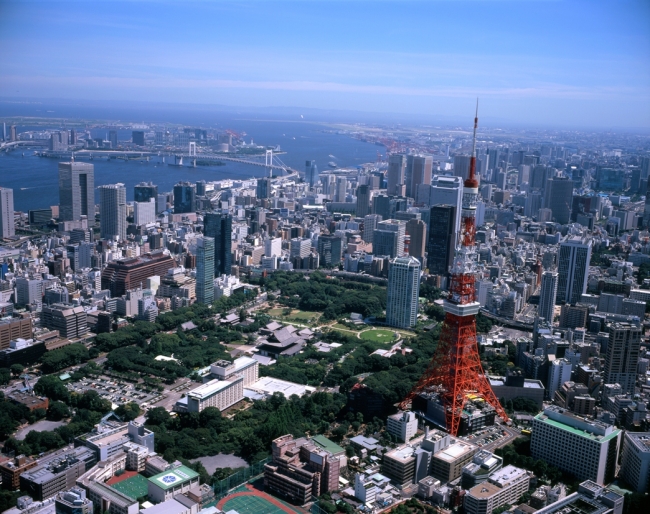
[547,63]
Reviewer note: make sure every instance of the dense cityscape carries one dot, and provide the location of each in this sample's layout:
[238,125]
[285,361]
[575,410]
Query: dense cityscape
[294,331]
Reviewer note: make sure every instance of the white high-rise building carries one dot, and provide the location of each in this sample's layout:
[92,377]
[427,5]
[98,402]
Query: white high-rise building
[112,211]
[584,447]
[300,247]
[504,487]
[547,296]
[403,292]
[403,425]
[144,212]
[370,223]
[573,269]
[273,247]
[7,227]
[635,461]
[559,371]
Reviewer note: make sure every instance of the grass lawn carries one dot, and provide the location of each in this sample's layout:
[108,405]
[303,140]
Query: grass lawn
[379,336]
[296,315]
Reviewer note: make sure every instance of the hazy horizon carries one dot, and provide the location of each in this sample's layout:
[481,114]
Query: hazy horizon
[538,64]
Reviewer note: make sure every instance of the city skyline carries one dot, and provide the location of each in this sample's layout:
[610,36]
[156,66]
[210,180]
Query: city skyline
[530,61]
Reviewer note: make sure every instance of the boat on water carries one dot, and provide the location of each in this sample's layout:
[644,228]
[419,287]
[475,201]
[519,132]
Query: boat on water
[332,164]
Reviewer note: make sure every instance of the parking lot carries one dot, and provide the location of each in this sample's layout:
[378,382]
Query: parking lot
[114,390]
[490,438]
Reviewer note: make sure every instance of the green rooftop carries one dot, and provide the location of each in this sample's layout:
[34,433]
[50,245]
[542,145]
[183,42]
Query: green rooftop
[576,431]
[327,445]
[173,477]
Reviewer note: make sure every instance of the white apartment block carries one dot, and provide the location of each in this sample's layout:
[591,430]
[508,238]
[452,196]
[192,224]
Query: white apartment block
[503,487]
[403,425]
[216,393]
[245,366]
[583,447]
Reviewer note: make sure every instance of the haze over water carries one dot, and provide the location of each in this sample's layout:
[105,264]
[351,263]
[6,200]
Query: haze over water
[301,141]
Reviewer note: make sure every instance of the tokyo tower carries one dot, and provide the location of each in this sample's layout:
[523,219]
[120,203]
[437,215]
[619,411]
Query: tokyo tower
[455,371]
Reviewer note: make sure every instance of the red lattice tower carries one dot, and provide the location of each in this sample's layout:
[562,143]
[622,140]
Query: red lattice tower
[455,371]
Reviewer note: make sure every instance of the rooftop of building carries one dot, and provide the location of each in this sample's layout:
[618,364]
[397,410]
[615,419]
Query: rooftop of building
[212,387]
[573,421]
[179,504]
[455,451]
[329,446]
[506,475]
[639,439]
[173,477]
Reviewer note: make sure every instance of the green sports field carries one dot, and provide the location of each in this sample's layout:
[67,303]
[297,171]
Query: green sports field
[135,487]
[250,504]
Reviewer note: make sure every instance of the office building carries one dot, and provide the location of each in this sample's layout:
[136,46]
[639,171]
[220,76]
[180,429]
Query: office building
[7,227]
[590,498]
[504,487]
[145,191]
[73,501]
[299,248]
[10,471]
[170,483]
[340,192]
[444,190]
[273,247]
[573,269]
[112,138]
[112,211]
[418,172]
[329,249]
[363,200]
[442,239]
[396,174]
[184,198]
[403,426]
[144,213]
[559,198]
[122,275]
[137,137]
[71,322]
[403,292]
[479,470]
[635,461]
[447,463]
[77,191]
[205,270]
[416,229]
[311,173]
[461,166]
[107,499]
[109,438]
[622,356]
[559,372]
[370,223]
[547,296]
[584,447]
[14,328]
[388,238]
[302,469]
[56,473]
[220,394]
[80,255]
[29,291]
[264,187]
[218,226]
[400,466]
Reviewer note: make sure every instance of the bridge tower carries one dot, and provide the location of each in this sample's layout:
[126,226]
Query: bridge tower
[192,149]
[455,371]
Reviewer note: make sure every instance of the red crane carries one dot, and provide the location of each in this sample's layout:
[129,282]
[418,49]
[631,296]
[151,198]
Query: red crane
[455,371]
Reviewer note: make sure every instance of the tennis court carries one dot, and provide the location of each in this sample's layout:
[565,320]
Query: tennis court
[135,487]
[251,501]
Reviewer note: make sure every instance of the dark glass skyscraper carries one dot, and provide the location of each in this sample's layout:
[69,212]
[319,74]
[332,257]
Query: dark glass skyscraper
[442,230]
[184,197]
[144,191]
[219,227]
[77,191]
